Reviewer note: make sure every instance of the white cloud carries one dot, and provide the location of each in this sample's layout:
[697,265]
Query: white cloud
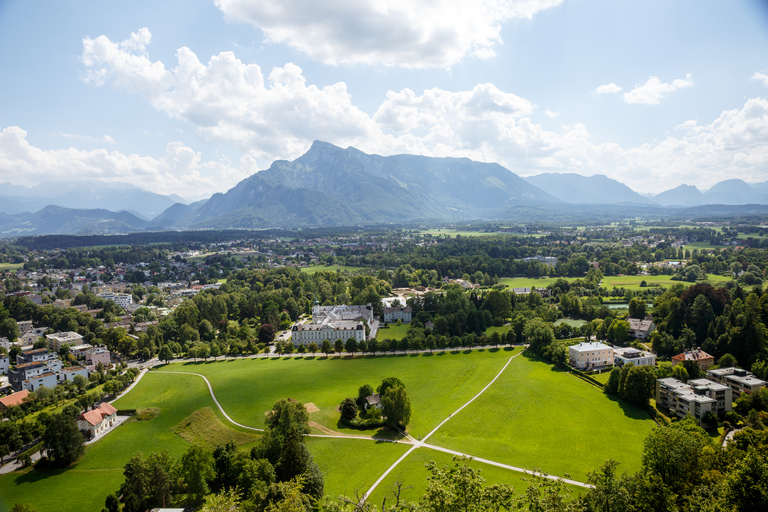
[610,88]
[106,139]
[277,116]
[762,77]
[652,91]
[179,170]
[551,114]
[408,33]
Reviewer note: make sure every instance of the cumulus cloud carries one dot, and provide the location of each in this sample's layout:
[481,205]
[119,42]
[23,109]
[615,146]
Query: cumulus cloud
[407,33]
[179,170]
[277,115]
[652,91]
[761,77]
[610,88]
[551,114]
[106,139]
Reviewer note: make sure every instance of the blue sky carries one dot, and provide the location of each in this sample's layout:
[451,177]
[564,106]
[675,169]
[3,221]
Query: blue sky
[190,97]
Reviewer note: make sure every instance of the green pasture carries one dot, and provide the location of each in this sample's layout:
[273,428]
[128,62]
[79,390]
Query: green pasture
[393,332]
[701,245]
[537,416]
[571,322]
[351,465]
[437,384]
[10,267]
[413,475]
[330,268]
[526,282]
[462,232]
[100,470]
[501,330]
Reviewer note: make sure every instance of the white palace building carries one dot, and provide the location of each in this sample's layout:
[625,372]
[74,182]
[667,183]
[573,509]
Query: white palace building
[333,323]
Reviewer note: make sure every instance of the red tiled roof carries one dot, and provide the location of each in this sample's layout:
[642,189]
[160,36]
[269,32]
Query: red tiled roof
[96,415]
[15,398]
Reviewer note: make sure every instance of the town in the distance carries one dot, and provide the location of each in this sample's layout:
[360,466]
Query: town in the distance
[545,366]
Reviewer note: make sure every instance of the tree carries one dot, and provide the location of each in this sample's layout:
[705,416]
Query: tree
[165,353]
[727,361]
[673,453]
[327,348]
[348,409]
[388,383]
[351,345]
[639,386]
[196,470]
[267,333]
[62,440]
[618,331]
[396,406]
[312,347]
[338,346]
[364,391]
[637,308]
[461,488]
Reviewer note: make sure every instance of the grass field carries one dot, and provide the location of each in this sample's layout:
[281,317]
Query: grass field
[571,322]
[525,282]
[413,474]
[393,332]
[461,232]
[536,416]
[437,384]
[10,267]
[533,416]
[330,268]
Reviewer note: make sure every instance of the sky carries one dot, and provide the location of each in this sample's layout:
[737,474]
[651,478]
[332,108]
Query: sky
[190,97]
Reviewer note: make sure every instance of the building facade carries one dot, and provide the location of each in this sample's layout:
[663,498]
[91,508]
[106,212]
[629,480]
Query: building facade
[703,359]
[624,355]
[740,381]
[403,314]
[334,323]
[590,355]
[63,339]
[696,398]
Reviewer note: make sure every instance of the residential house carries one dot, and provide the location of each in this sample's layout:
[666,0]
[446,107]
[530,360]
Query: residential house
[5,364]
[703,359]
[98,355]
[28,339]
[13,399]
[68,374]
[25,326]
[590,355]
[624,355]
[372,401]
[641,328]
[97,420]
[36,382]
[740,381]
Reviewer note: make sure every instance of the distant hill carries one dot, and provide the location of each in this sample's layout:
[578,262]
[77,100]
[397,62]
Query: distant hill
[684,195]
[578,189]
[56,219]
[330,186]
[79,194]
[733,192]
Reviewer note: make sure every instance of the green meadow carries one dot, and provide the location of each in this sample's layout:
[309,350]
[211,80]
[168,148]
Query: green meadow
[536,416]
[330,268]
[393,332]
[533,416]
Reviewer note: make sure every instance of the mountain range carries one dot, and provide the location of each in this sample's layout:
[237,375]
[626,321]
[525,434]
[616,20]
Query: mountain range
[331,186]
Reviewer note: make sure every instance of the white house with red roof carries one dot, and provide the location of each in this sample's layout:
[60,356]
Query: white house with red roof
[98,419]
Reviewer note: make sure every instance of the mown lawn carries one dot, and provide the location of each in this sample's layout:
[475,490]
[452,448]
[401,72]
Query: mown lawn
[330,268]
[393,332]
[526,282]
[413,475]
[100,471]
[437,384]
[536,416]
[10,267]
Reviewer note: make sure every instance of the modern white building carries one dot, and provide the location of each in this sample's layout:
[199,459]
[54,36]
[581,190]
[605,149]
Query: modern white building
[624,355]
[121,299]
[740,381]
[696,398]
[590,355]
[62,339]
[334,323]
